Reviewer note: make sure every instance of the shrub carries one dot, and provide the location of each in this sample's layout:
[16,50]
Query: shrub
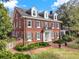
[5,54]
[22,56]
[2,44]
[20,47]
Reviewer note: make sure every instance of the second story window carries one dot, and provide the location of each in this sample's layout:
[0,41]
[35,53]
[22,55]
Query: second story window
[29,23]
[46,25]
[16,24]
[57,25]
[37,24]
[53,25]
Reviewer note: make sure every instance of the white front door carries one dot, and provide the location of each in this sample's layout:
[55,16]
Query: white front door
[47,36]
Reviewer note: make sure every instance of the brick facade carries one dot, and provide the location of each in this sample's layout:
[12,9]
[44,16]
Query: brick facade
[21,30]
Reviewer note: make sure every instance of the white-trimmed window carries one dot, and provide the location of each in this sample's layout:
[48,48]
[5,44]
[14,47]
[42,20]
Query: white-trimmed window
[53,24]
[38,35]
[57,25]
[29,23]
[34,12]
[46,15]
[29,36]
[52,35]
[46,25]
[55,16]
[19,24]
[16,24]
[37,24]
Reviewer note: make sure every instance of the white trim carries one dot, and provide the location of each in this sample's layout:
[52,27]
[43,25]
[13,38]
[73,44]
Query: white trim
[37,35]
[49,39]
[27,24]
[38,24]
[32,11]
[46,15]
[29,34]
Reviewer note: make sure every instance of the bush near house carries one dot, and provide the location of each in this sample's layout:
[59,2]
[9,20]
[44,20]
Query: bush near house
[20,47]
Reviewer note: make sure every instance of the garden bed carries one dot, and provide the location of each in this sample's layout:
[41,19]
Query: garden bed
[21,47]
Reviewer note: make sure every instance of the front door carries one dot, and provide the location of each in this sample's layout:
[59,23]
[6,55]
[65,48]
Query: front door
[47,36]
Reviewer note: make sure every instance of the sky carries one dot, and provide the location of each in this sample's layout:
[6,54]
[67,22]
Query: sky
[41,5]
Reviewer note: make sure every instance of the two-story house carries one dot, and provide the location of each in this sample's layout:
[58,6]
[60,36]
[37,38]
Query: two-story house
[34,26]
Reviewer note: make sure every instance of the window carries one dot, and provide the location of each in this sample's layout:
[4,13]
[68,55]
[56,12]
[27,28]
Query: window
[56,34]
[29,23]
[29,36]
[38,35]
[57,25]
[38,24]
[33,12]
[53,25]
[55,17]
[46,15]
[16,24]
[19,24]
[52,35]
[46,25]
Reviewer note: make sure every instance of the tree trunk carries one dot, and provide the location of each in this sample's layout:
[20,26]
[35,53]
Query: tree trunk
[59,45]
[65,43]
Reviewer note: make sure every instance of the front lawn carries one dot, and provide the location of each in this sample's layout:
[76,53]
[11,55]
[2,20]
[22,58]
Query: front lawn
[56,53]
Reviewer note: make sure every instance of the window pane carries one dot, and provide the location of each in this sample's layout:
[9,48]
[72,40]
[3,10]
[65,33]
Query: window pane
[29,35]
[38,35]
[37,23]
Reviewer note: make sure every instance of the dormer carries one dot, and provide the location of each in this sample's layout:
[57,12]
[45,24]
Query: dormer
[46,15]
[55,16]
[34,12]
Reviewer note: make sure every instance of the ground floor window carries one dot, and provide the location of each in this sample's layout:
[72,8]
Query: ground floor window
[38,35]
[52,35]
[29,36]
[56,34]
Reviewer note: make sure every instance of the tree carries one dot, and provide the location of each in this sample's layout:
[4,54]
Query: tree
[69,14]
[66,38]
[59,42]
[5,23]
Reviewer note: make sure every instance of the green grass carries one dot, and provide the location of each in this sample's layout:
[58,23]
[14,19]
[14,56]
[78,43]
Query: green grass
[56,53]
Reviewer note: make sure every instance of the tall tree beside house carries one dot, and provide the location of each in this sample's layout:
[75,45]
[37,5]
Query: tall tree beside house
[69,14]
[5,23]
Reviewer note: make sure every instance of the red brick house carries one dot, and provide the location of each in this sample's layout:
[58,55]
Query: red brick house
[34,26]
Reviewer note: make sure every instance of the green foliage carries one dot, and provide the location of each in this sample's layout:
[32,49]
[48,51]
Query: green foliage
[2,44]
[5,55]
[8,55]
[21,56]
[69,14]
[21,47]
[60,41]
[5,23]
[67,38]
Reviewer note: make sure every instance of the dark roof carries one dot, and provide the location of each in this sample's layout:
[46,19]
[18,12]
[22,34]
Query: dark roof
[27,12]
